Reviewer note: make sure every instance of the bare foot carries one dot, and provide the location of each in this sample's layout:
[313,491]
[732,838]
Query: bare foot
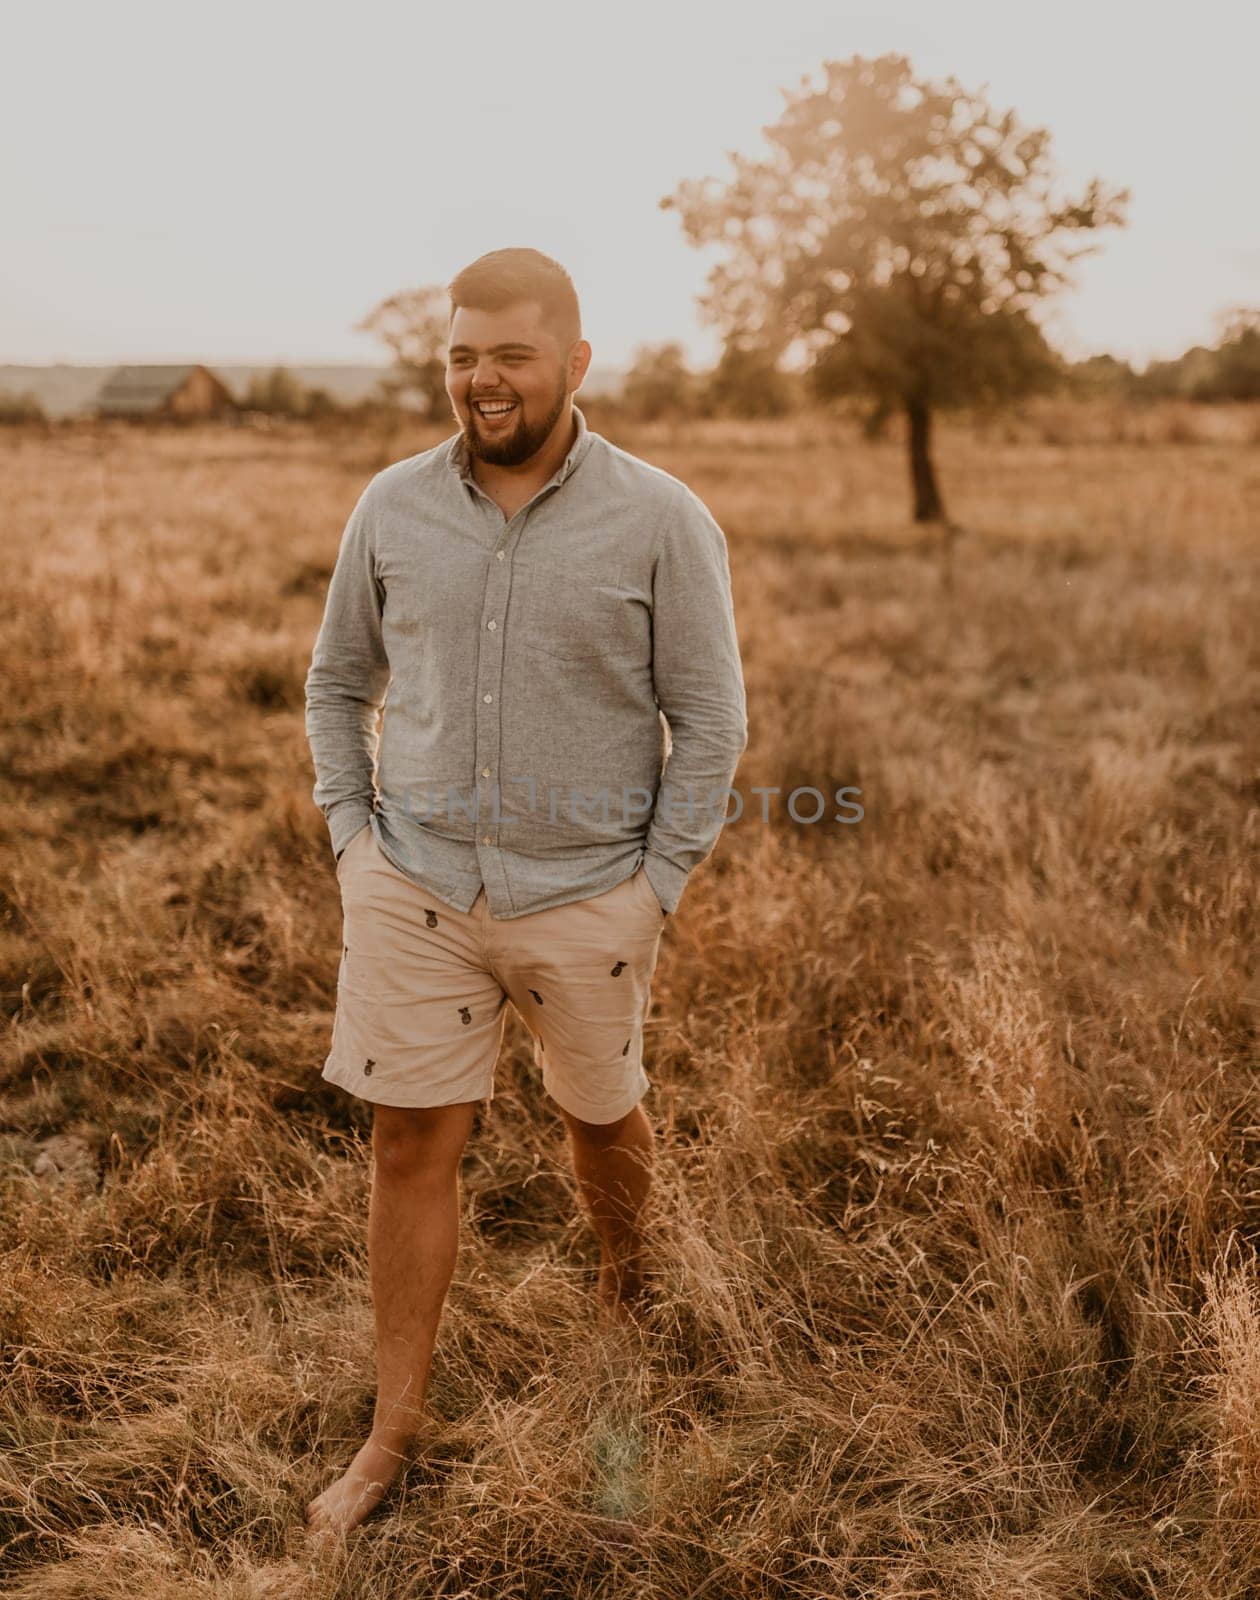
[360,1489]
[623,1298]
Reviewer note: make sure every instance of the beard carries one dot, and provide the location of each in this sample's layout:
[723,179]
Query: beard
[523,440]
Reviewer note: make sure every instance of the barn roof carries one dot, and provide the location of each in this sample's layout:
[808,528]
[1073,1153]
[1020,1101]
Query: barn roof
[142,388]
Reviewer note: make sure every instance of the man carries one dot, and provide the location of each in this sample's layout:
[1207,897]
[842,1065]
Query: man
[526,600]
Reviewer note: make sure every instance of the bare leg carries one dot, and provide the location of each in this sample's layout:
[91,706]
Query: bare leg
[413,1237]
[612,1163]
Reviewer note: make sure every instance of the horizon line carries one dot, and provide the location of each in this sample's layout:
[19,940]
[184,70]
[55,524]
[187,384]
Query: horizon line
[225,361]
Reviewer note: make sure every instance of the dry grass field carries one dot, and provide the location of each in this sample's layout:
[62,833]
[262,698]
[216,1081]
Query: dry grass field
[957,1187]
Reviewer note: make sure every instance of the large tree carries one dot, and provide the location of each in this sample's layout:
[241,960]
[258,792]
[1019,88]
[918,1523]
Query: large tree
[413,324]
[900,233]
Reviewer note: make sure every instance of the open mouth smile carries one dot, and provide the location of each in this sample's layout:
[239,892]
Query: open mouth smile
[495,412]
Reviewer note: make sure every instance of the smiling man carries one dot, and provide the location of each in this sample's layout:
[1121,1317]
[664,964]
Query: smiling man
[546,620]
[509,429]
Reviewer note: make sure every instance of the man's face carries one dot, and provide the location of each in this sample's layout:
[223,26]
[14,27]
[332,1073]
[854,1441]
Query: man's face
[506,357]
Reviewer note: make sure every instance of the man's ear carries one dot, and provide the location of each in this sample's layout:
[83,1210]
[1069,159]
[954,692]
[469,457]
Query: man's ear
[579,361]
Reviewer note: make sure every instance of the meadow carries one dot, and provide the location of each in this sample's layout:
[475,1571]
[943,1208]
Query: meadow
[957,1184]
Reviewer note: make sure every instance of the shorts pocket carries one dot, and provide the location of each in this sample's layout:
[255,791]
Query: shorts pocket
[353,845]
[649,893]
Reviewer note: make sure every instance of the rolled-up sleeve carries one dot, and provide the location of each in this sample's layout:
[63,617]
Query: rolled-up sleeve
[699,685]
[347,683]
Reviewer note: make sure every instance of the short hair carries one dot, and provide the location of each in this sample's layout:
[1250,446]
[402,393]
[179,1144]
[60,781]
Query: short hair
[504,277]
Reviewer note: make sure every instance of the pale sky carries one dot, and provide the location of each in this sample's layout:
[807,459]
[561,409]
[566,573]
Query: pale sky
[244,181]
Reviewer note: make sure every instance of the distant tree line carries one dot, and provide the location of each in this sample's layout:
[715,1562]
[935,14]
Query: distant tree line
[281,393]
[747,382]
[1226,370]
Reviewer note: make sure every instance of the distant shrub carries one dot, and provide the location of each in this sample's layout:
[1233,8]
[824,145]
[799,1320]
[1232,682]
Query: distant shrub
[747,382]
[280,393]
[1100,377]
[660,384]
[319,403]
[1235,373]
[19,408]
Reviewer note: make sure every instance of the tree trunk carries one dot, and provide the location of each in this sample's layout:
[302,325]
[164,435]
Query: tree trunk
[876,419]
[928,506]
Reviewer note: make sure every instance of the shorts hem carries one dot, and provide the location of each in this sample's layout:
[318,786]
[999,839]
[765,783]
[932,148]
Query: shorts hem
[597,1114]
[411,1100]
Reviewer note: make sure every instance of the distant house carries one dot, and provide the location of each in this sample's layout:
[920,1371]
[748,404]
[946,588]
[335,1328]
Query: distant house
[164,392]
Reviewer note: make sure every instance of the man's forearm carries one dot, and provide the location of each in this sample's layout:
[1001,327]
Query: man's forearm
[346,685]
[691,802]
[699,683]
[343,739]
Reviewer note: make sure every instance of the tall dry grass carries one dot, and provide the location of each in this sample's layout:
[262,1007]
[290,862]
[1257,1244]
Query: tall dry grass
[958,1175]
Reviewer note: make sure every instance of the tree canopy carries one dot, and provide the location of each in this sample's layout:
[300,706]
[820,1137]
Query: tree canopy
[900,234]
[413,324]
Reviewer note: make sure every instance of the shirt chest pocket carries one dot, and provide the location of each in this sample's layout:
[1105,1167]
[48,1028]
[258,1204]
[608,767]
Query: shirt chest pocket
[567,609]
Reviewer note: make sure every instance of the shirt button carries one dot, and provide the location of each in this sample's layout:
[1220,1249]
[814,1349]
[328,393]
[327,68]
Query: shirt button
[492,624]
[498,555]
[486,839]
[487,698]
[485,772]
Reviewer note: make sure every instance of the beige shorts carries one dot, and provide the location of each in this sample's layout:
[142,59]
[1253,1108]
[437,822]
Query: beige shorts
[423,990]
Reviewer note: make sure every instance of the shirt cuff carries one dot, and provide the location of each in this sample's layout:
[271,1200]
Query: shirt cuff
[667,880]
[345,821]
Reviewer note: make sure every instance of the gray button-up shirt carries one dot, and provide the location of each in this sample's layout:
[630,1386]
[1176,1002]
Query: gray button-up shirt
[562,690]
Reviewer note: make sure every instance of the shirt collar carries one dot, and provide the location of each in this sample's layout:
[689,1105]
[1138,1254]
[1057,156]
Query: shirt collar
[457,458]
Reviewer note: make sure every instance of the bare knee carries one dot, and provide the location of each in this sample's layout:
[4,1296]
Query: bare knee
[412,1140]
[601,1135]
